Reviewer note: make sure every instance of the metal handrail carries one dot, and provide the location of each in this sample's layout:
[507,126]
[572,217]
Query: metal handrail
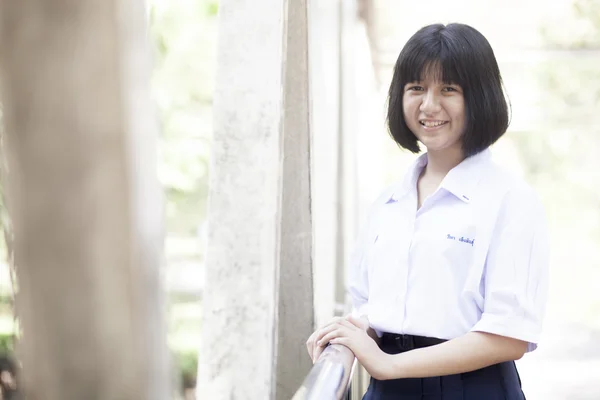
[330,376]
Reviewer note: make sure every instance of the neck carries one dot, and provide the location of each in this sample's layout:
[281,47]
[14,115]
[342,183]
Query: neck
[439,163]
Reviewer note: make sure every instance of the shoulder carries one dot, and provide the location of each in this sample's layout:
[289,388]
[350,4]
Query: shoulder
[512,193]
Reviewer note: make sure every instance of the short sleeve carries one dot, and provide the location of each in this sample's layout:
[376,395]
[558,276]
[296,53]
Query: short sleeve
[516,273]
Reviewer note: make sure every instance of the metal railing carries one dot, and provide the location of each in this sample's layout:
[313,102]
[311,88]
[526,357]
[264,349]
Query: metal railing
[330,376]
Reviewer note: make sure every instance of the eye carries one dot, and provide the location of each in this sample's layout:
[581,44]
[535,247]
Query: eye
[449,89]
[415,88]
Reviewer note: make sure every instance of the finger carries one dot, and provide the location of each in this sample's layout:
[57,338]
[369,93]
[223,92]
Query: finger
[358,322]
[327,327]
[350,325]
[316,335]
[312,338]
[344,341]
[333,321]
[330,322]
[322,342]
[327,330]
[317,353]
[314,346]
[342,331]
[310,349]
[310,343]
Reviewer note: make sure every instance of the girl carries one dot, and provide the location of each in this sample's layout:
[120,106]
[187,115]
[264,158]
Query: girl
[449,277]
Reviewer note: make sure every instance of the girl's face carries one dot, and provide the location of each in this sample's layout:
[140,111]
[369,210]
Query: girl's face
[435,113]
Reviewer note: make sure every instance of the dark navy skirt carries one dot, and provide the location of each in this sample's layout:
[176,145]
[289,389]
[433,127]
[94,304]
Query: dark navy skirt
[496,382]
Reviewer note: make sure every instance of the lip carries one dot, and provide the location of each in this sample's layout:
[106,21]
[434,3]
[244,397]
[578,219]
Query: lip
[432,128]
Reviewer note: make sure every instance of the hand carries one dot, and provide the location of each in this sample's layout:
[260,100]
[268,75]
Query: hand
[315,345]
[351,333]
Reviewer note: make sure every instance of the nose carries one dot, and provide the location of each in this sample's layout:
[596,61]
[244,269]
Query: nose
[431,103]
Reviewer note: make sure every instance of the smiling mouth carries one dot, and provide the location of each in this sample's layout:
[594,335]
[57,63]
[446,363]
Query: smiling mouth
[432,124]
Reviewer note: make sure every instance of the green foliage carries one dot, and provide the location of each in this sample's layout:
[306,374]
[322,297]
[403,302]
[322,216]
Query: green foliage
[187,365]
[184,37]
[183,33]
[212,8]
[7,344]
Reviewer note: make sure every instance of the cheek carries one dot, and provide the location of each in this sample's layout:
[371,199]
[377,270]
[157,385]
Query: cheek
[458,109]
[409,105]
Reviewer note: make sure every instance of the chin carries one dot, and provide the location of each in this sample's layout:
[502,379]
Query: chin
[433,145]
[437,147]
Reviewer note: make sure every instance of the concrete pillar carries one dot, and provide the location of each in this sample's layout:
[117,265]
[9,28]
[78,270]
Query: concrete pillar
[258,292]
[86,204]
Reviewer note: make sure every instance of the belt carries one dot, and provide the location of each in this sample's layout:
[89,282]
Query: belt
[407,342]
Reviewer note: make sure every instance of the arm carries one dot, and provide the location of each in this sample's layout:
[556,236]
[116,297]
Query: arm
[373,335]
[469,352]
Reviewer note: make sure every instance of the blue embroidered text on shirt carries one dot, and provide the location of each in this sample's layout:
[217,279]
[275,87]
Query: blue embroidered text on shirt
[467,240]
[461,239]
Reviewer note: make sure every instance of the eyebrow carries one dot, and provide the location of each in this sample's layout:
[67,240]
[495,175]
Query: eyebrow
[442,83]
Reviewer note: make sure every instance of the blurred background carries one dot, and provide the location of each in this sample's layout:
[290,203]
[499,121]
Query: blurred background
[549,55]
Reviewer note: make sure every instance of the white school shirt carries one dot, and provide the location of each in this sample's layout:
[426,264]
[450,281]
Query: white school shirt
[474,257]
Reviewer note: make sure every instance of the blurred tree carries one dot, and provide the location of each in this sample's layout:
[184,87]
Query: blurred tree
[6,247]
[84,200]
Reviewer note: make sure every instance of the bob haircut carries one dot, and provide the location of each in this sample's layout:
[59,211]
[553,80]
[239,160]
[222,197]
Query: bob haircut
[459,55]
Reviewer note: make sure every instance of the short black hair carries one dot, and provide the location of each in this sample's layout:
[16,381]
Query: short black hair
[463,57]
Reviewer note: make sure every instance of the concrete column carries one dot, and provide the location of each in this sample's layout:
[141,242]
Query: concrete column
[258,293]
[86,204]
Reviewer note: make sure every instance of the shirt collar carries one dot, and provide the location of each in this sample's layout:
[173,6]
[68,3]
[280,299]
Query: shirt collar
[461,180]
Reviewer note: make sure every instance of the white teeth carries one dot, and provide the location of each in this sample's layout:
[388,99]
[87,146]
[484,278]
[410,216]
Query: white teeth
[432,124]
